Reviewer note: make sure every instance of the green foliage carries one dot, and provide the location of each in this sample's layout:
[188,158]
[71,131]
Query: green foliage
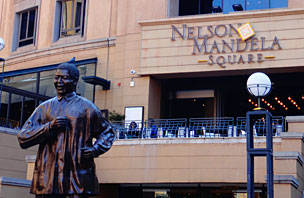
[115,116]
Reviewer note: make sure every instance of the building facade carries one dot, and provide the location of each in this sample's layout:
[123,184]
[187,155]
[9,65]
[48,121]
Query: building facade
[165,61]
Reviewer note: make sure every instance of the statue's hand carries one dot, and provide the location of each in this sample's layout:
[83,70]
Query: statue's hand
[88,152]
[59,122]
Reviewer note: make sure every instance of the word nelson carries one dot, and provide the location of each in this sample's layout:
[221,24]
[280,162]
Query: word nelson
[203,43]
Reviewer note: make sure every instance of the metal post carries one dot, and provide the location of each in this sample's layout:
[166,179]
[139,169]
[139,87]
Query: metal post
[2,76]
[251,117]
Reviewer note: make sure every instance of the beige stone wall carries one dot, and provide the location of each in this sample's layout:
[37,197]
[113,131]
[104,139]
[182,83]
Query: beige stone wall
[201,160]
[161,55]
[179,161]
[9,191]
[12,157]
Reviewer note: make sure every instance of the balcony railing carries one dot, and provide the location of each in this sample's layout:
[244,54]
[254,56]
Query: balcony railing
[195,127]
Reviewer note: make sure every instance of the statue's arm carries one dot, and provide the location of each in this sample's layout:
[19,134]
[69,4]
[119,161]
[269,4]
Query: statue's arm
[34,131]
[104,137]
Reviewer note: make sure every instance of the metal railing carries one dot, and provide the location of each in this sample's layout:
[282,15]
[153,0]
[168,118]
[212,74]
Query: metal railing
[211,127]
[196,127]
[158,128]
[278,126]
[128,129]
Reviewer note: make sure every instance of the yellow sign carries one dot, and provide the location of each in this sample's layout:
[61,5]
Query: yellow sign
[245,31]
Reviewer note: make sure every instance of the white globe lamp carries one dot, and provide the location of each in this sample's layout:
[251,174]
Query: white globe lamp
[259,85]
[2,44]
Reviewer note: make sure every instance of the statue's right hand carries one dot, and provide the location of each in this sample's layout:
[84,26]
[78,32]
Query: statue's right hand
[59,122]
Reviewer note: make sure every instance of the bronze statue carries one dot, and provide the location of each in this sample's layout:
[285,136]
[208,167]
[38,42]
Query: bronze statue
[64,128]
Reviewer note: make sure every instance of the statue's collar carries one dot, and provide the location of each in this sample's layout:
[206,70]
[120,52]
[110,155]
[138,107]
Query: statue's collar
[67,97]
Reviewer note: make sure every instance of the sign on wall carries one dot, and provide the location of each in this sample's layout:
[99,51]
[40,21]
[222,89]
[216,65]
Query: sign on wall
[204,42]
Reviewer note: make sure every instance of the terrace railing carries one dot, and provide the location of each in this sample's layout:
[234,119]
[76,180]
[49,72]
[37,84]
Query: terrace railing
[126,130]
[211,127]
[196,127]
[158,128]
[278,126]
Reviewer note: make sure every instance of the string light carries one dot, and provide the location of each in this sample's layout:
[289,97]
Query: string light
[294,103]
[281,103]
[253,103]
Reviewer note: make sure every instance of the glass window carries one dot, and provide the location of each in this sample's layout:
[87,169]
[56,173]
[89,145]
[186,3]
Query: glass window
[84,89]
[15,111]
[25,82]
[46,86]
[16,108]
[193,7]
[4,107]
[27,27]
[257,4]
[228,5]
[28,109]
[72,13]
[279,3]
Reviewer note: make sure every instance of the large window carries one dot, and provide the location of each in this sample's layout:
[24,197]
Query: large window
[69,18]
[194,7]
[24,90]
[25,28]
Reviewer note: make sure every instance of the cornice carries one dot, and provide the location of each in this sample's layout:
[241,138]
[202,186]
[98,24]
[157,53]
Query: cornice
[61,49]
[224,17]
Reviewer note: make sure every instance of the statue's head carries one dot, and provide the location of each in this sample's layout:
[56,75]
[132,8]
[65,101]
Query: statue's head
[66,78]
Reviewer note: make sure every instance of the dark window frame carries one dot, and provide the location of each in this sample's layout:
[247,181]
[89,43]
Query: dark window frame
[23,42]
[76,30]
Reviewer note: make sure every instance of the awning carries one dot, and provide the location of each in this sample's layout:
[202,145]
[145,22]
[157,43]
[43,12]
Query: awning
[94,80]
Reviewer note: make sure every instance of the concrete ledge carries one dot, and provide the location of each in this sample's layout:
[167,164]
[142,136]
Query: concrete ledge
[292,135]
[286,179]
[8,131]
[289,156]
[198,140]
[15,182]
[30,158]
[291,119]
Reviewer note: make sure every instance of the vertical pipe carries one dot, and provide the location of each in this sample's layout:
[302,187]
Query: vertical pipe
[37,88]
[199,6]
[8,108]
[269,156]
[250,175]
[22,111]
[250,157]
[2,77]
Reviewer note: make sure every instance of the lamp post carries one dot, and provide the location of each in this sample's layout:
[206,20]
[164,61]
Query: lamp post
[259,85]
[2,44]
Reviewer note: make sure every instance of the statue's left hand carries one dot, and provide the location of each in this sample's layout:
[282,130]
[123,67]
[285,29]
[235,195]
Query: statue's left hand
[88,152]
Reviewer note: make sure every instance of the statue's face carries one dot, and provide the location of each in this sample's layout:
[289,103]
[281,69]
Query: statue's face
[63,82]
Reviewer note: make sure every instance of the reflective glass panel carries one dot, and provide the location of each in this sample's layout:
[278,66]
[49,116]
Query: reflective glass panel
[15,111]
[4,107]
[217,3]
[229,3]
[278,3]
[78,14]
[28,109]
[23,25]
[25,82]
[71,17]
[257,4]
[31,23]
[46,87]
[85,89]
